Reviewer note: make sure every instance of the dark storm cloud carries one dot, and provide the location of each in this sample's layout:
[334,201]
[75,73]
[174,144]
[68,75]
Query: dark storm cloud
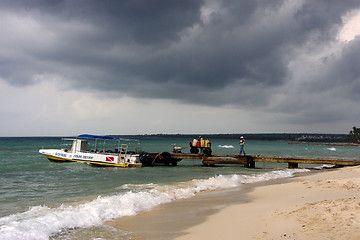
[220,52]
[140,20]
[330,93]
[345,71]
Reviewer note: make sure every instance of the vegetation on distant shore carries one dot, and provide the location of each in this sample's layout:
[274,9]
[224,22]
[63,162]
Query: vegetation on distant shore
[301,137]
[354,135]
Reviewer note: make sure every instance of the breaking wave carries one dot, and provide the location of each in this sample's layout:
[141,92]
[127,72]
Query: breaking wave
[41,222]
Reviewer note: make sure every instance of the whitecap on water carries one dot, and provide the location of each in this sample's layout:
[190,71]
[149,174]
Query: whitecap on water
[226,146]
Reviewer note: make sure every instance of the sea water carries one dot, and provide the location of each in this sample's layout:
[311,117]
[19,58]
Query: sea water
[40,199]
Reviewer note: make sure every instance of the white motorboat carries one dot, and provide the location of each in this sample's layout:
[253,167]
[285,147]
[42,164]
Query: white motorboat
[98,150]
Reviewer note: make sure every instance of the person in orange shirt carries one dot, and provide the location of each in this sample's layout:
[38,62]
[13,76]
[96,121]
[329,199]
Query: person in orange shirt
[242,143]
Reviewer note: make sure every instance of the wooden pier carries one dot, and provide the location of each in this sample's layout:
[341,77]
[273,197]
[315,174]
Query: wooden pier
[248,160]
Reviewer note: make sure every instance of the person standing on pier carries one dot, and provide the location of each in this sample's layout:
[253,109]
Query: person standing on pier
[242,143]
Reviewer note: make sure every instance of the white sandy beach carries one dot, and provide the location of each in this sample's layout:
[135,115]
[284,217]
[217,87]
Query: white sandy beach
[324,205]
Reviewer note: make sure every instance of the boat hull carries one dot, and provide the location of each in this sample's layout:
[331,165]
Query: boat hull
[91,158]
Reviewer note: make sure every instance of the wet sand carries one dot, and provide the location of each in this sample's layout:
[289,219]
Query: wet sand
[324,205]
[319,206]
[170,220]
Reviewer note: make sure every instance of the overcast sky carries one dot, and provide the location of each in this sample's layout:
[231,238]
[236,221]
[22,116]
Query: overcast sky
[141,67]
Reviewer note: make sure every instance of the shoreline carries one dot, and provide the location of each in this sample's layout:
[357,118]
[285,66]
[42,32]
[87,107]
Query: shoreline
[321,204]
[170,220]
[324,205]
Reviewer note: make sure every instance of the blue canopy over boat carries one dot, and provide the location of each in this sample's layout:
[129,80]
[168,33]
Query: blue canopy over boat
[89,136]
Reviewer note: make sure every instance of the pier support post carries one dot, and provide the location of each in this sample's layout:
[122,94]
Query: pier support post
[293,165]
[250,163]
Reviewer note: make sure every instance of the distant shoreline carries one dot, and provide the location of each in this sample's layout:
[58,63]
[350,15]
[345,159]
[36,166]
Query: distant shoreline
[293,137]
[326,143]
[301,138]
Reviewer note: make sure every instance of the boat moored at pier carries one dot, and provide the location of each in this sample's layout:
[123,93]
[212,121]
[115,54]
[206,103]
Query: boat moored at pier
[97,150]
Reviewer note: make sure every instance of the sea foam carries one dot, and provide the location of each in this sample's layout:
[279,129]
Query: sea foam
[226,146]
[41,222]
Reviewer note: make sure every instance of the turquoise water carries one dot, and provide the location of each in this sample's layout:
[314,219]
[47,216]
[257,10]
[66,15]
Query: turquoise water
[40,199]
